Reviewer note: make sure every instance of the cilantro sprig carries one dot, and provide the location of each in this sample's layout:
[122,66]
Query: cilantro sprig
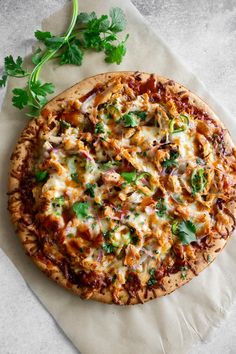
[86,31]
[185,230]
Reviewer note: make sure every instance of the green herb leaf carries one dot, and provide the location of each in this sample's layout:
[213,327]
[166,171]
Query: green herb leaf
[99,128]
[40,89]
[171,161]
[115,54]
[14,68]
[152,280]
[37,56]
[140,114]
[41,36]
[129,120]
[3,81]
[129,176]
[41,176]
[184,271]
[108,248]
[160,207]
[57,204]
[64,124]
[72,55]
[54,42]
[118,20]
[80,209]
[84,18]
[185,230]
[198,180]
[110,165]
[90,189]
[75,177]
[20,98]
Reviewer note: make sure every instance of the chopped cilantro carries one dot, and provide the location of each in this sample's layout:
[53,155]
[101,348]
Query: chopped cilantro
[171,161]
[41,175]
[152,279]
[57,204]
[99,128]
[110,165]
[90,189]
[64,124]
[129,176]
[129,120]
[80,209]
[140,114]
[108,248]
[183,270]
[134,239]
[160,207]
[70,235]
[113,278]
[75,177]
[198,180]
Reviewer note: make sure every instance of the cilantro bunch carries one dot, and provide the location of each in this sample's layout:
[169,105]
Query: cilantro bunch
[86,31]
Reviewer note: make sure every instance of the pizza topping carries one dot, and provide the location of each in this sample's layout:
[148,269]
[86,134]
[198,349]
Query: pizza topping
[185,230]
[133,183]
[41,176]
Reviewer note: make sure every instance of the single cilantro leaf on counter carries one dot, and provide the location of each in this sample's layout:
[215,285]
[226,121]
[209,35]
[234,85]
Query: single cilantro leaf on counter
[41,175]
[185,230]
[72,55]
[129,176]
[80,209]
[118,20]
[20,98]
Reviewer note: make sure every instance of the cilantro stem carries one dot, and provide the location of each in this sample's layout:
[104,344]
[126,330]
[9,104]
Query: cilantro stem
[51,52]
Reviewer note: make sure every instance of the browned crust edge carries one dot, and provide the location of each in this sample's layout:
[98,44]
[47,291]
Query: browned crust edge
[26,233]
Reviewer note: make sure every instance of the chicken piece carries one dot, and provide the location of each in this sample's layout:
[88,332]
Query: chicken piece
[111,177]
[132,256]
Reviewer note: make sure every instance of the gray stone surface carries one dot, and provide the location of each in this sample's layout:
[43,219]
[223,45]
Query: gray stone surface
[203,34]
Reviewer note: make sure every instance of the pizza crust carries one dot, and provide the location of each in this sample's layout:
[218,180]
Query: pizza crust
[25,227]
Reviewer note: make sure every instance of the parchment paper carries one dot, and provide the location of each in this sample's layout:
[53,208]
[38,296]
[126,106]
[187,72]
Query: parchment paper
[167,325]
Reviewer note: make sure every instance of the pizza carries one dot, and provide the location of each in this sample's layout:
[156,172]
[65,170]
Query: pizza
[124,188]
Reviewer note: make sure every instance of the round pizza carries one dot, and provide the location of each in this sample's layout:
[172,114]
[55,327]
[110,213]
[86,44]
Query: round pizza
[124,188]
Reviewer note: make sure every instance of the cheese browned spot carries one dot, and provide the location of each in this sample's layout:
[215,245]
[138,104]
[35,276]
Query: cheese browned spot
[139,181]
